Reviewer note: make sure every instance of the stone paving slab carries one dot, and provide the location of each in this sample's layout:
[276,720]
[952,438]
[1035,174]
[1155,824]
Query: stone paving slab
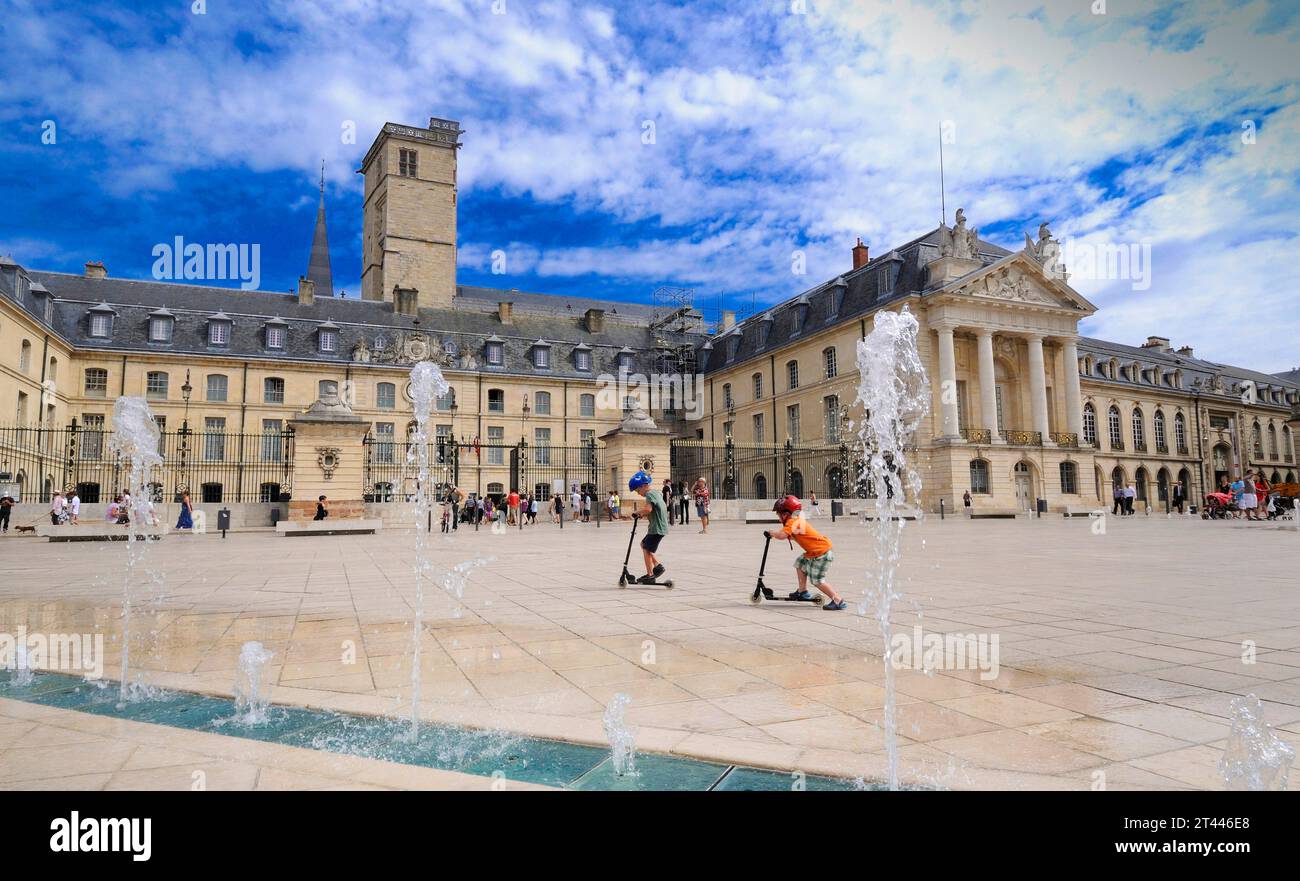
[1118,653]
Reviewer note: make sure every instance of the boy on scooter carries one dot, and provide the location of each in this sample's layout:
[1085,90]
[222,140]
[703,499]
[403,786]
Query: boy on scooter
[817,556]
[656,528]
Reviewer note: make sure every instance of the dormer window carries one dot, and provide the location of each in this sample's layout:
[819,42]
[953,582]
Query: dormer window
[161,323]
[625,359]
[327,338]
[276,333]
[219,330]
[101,321]
[494,351]
[884,281]
[542,355]
[837,296]
[799,316]
[764,332]
[733,346]
[582,358]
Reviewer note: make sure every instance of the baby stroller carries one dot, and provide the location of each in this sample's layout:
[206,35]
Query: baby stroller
[1218,506]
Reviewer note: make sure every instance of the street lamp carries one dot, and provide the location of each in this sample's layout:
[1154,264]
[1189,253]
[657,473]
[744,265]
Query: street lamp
[527,411]
[183,483]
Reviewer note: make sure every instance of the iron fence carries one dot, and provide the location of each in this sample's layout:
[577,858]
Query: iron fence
[215,467]
[764,471]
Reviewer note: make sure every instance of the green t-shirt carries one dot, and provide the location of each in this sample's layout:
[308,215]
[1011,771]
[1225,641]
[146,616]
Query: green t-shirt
[658,513]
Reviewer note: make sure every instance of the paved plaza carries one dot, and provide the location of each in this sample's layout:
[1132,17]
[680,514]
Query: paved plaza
[1119,652]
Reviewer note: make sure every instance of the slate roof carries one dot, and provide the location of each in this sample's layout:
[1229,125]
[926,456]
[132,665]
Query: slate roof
[559,321]
[901,270]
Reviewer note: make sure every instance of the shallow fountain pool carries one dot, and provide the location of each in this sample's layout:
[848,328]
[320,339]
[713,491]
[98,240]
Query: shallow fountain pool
[525,759]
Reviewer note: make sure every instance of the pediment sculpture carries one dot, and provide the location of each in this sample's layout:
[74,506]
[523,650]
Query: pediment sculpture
[402,347]
[960,241]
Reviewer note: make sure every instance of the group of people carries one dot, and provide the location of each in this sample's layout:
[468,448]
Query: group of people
[1253,497]
[811,566]
[678,500]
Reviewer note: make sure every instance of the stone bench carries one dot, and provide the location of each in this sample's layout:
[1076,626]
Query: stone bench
[761,517]
[329,526]
[91,532]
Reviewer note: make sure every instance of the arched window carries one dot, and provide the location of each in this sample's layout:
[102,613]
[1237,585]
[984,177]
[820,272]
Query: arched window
[979,476]
[1287,449]
[760,486]
[796,484]
[587,405]
[1115,427]
[1180,432]
[1139,433]
[835,482]
[25,356]
[1140,484]
[1159,425]
[1117,477]
[1272,441]
[53,373]
[1089,425]
[542,403]
[828,358]
[1257,441]
[1162,485]
[1069,479]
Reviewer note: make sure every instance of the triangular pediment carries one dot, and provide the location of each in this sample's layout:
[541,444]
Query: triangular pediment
[1020,279]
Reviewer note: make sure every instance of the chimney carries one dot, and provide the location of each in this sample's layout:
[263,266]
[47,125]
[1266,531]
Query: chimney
[406,301]
[306,291]
[1186,352]
[595,320]
[728,319]
[95,269]
[504,308]
[860,257]
[1159,343]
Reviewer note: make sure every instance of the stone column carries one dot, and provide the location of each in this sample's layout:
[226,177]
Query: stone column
[328,460]
[988,386]
[1038,387]
[1073,396]
[947,383]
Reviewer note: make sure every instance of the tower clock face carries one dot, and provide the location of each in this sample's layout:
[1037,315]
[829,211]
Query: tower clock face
[406,393]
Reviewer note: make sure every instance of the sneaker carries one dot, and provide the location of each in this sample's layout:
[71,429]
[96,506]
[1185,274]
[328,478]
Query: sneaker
[834,606]
[658,570]
[801,595]
[646,579]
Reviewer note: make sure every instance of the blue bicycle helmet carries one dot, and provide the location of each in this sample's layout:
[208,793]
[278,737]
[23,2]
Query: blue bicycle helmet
[638,479]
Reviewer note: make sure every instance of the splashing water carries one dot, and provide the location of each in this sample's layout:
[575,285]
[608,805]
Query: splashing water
[622,739]
[250,704]
[135,440]
[895,396]
[427,385]
[1255,759]
[23,675]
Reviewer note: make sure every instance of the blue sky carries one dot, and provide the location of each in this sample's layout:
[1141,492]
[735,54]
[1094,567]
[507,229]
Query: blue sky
[779,127]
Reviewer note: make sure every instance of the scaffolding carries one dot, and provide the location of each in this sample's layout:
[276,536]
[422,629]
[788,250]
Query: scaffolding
[675,326]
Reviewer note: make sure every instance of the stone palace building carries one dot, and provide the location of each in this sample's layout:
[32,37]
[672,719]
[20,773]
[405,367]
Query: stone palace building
[1024,408]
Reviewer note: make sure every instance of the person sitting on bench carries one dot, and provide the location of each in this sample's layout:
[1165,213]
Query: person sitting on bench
[321,513]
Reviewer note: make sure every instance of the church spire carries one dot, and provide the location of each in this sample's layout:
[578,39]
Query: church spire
[318,267]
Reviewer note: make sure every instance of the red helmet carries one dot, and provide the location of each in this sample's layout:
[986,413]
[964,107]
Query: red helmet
[788,505]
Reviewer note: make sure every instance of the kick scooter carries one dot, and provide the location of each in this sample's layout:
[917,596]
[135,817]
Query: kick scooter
[763,592]
[627,577]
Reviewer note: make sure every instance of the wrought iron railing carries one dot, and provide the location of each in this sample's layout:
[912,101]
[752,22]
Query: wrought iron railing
[214,467]
[1139,446]
[1020,438]
[1065,438]
[978,435]
[1162,448]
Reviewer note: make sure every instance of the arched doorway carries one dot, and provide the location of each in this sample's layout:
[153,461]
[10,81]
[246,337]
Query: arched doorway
[1185,478]
[1117,479]
[1140,485]
[1023,480]
[760,486]
[1162,485]
[835,482]
[1221,457]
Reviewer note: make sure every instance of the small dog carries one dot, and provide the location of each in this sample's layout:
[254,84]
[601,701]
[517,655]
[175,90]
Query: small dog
[21,529]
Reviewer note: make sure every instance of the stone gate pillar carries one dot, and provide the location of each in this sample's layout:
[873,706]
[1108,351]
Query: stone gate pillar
[329,460]
[634,445]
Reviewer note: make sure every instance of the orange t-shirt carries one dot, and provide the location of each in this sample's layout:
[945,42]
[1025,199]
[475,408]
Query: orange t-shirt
[814,544]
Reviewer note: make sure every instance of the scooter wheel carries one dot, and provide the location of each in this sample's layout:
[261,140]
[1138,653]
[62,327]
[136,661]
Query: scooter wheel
[756,598]
[818,600]
[668,584]
[622,582]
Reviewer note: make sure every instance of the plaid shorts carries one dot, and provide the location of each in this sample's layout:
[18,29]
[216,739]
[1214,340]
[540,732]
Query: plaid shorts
[815,567]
